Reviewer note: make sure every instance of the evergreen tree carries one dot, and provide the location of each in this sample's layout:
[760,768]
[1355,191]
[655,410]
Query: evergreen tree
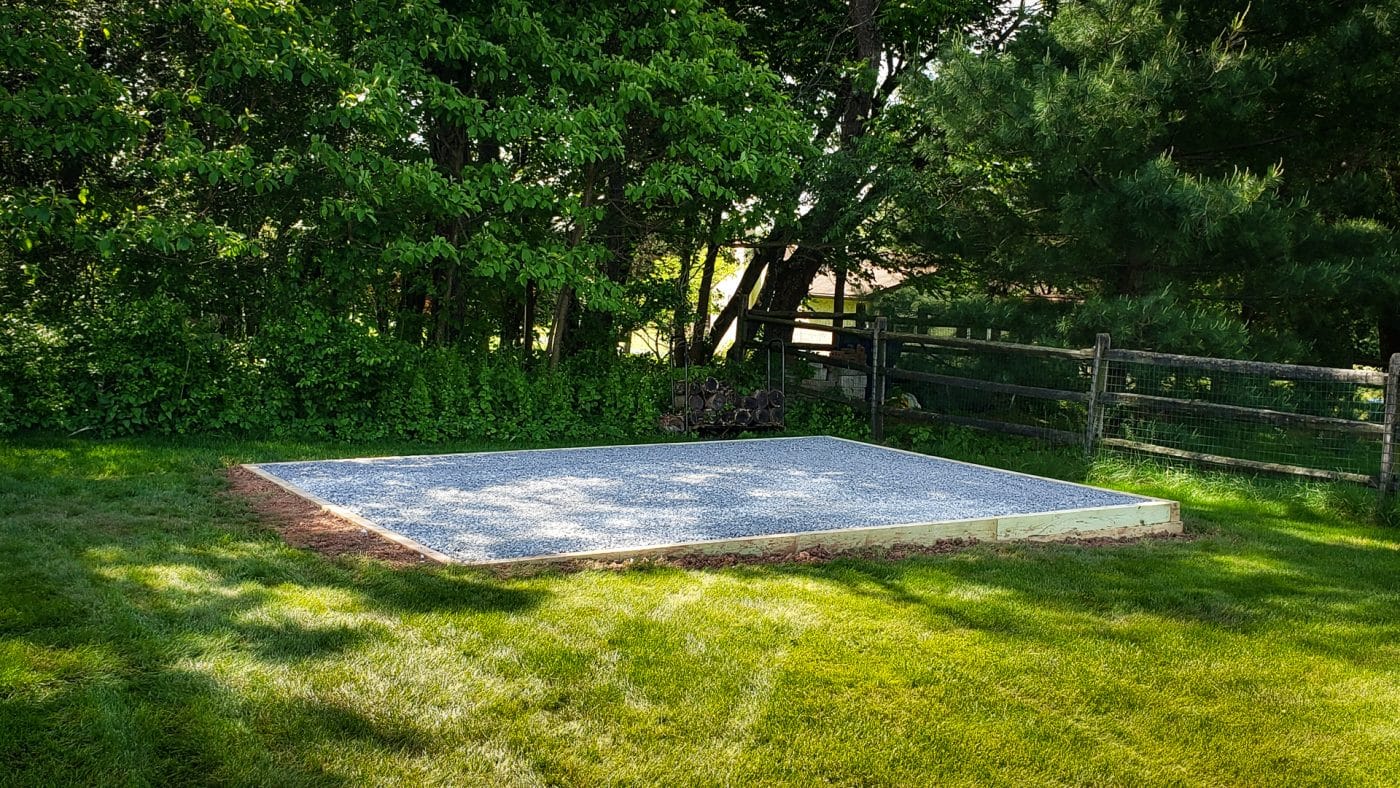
[1238,155]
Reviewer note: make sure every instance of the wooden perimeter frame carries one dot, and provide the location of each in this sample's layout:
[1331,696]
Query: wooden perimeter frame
[349,516]
[1150,516]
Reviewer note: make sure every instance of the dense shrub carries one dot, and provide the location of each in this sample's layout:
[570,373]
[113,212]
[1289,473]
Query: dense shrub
[149,367]
[32,392]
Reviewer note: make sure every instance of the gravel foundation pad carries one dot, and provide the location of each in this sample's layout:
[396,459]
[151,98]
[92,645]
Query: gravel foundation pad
[500,506]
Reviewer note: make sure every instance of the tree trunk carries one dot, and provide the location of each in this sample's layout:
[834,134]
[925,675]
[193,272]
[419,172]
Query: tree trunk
[597,328]
[413,301]
[558,330]
[444,300]
[678,324]
[1131,276]
[707,282]
[790,280]
[511,313]
[527,321]
[787,286]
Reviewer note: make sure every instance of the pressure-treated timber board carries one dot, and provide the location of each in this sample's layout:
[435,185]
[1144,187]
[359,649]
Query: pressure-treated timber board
[835,540]
[1084,522]
[773,495]
[351,517]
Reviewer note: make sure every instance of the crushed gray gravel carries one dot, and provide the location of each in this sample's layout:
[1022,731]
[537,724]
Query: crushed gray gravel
[516,504]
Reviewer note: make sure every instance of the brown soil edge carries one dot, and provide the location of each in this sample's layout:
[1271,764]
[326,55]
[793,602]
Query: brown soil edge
[820,555]
[306,525]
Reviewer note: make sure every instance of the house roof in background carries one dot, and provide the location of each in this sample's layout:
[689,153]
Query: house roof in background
[870,281]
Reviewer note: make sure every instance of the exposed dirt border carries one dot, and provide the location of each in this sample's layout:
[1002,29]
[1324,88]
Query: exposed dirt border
[304,524]
[819,555]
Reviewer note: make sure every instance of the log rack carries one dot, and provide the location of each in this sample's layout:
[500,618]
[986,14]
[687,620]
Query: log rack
[716,408]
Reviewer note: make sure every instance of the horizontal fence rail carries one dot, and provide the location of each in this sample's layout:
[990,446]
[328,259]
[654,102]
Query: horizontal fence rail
[1262,368]
[1236,462]
[1010,428]
[779,321]
[1306,421]
[990,346]
[1168,404]
[1014,389]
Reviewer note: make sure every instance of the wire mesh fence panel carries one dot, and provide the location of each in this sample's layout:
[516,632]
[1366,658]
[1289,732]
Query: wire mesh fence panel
[1310,421]
[988,385]
[1256,416]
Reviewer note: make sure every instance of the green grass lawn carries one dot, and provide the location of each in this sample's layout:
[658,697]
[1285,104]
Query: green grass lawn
[152,631]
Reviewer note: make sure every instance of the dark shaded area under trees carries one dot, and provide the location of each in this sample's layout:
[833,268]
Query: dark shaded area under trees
[431,218]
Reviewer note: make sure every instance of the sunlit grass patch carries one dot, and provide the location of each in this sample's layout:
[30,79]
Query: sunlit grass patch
[151,628]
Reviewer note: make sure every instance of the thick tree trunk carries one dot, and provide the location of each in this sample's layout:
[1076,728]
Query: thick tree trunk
[1389,331]
[760,262]
[787,286]
[860,102]
[790,280]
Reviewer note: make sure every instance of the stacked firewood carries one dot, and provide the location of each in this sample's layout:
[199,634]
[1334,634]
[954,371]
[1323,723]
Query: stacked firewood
[711,403]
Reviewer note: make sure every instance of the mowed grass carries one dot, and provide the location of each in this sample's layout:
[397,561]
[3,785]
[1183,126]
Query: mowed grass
[153,632]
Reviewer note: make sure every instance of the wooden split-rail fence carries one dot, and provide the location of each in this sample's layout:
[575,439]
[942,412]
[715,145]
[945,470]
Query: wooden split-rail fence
[866,346]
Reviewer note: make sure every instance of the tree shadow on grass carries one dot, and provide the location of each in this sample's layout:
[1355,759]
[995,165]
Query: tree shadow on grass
[183,727]
[191,719]
[290,641]
[140,640]
[1289,563]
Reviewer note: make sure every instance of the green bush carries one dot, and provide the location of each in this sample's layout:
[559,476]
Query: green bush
[809,416]
[451,396]
[322,375]
[32,394]
[148,367]
[135,367]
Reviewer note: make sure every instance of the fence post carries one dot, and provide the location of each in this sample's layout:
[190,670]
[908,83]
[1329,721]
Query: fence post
[877,378]
[839,306]
[1098,384]
[1392,426]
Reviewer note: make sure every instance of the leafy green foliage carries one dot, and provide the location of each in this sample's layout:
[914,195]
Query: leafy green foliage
[808,416]
[202,199]
[1161,321]
[310,194]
